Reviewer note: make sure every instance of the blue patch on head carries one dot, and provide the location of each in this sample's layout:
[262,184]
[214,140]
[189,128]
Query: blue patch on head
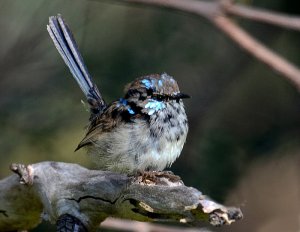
[147,83]
[153,83]
[160,83]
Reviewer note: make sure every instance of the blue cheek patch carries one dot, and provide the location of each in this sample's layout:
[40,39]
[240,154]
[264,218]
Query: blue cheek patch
[154,105]
[151,112]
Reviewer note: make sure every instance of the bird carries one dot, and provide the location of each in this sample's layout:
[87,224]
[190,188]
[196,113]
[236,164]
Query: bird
[145,130]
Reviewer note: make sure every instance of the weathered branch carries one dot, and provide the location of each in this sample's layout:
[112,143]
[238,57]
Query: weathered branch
[217,13]
[55,189]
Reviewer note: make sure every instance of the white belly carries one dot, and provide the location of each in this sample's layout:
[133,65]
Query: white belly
[160,158]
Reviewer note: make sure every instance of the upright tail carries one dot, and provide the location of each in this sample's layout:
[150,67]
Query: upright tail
[68,49]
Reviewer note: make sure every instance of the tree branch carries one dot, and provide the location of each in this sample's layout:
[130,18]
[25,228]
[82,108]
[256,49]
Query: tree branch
[258,50]
[265,16]
[217,11]
[58,189]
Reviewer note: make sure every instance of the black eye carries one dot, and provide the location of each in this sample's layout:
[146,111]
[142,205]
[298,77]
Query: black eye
[159,97]
[149,92]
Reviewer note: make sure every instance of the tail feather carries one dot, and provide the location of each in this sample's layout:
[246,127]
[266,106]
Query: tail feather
[68,49]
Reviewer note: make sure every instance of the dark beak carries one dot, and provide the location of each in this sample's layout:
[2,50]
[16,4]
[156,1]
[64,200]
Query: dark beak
[182,95]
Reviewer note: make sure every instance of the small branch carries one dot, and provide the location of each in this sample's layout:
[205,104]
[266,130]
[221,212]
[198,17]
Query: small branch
[258,50]
[216,11]
[69,192]
[203,8]
[223,7]
[266,16]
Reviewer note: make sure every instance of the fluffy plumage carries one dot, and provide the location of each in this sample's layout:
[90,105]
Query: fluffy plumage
[144,130]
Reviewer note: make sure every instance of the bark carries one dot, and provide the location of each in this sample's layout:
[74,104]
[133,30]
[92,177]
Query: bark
[52,190]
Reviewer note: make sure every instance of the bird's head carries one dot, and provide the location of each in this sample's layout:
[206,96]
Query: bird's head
[153,91]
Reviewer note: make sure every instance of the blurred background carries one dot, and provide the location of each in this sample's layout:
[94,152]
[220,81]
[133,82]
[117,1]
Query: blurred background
[243,145]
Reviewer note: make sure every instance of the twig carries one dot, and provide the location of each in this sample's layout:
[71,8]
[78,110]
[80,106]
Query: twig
[215,11]
[266,16]
[258,50]
[202,8]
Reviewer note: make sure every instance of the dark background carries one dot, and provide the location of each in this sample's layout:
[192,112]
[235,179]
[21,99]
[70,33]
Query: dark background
[243,145]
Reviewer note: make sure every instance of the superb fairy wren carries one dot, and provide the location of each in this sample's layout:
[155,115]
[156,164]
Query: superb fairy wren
[144,130]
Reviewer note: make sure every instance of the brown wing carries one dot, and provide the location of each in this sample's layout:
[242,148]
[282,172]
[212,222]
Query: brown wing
[115,114]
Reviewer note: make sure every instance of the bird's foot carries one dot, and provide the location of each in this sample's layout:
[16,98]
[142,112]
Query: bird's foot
[156,177]
[168,175]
